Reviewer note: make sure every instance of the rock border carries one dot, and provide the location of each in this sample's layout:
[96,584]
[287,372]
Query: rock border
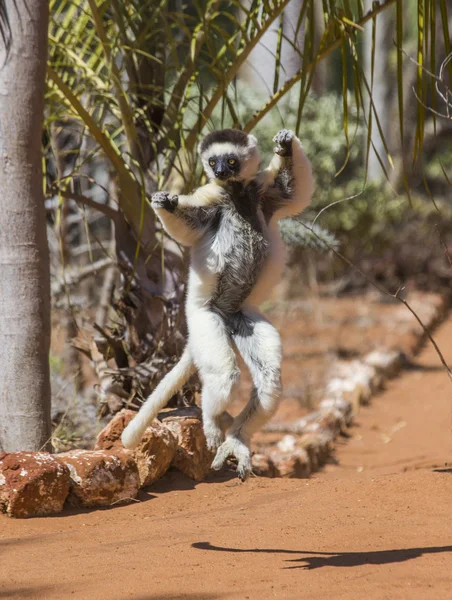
[309,442]
[34,484]
[38,484]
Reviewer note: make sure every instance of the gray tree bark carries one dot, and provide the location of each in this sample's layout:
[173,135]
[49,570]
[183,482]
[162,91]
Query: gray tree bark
[24,259]
[381,86]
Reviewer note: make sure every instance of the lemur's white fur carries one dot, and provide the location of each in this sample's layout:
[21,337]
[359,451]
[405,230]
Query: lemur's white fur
[204,196]
[209,348]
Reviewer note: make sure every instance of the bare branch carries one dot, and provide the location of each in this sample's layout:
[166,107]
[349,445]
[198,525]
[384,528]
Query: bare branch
[444,245]
[108,385]
[430,109]
[106,210]
[438,80]
[73,276]
[105,296]
[337,202]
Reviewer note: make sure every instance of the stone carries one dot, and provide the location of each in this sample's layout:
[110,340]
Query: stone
[291,464]
[343,406]
[318,446]
[386,362]
[101,477]
[428,307]
[287,444]
[294,456]
[332,421]
[355,374]
[342,389]
[153,455]
[110,436]
[262,465]
[300,425]
[332,418]
[32,484]
[290,459]
[192,456]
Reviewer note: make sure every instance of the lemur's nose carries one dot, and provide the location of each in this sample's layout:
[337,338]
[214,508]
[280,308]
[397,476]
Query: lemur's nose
[220,172]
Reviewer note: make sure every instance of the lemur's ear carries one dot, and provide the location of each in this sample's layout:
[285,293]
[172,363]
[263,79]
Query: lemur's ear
[252,140]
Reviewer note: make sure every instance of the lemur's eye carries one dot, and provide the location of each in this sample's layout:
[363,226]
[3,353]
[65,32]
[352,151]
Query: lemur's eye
[232,161]
[212,163]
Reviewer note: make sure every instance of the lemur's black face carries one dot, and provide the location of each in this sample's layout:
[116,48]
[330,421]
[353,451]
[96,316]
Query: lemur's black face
[229,155]
[225,166]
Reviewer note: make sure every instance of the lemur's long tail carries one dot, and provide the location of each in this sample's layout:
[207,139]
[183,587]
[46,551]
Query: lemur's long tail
[168,386]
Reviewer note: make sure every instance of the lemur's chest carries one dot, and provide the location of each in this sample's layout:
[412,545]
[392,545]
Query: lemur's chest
[235,250]
[240,235]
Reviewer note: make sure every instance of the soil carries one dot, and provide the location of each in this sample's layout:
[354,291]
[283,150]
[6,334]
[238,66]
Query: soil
[376,525]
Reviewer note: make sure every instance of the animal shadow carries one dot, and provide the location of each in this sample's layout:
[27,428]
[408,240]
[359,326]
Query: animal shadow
[335,559]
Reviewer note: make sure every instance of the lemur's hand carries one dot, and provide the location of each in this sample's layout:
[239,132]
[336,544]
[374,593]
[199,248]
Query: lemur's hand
[283,139]
[164,200]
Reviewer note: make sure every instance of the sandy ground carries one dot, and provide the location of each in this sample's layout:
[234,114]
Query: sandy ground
[378,525]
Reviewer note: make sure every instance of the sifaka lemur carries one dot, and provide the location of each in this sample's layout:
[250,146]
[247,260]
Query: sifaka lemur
[237,256]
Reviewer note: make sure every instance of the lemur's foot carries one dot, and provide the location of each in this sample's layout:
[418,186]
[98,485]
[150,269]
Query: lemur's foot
[284,139]
[165,200]
[233,446]
[214,436]
[215,430]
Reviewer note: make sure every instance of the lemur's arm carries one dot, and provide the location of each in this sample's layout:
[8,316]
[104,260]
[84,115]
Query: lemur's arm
[287,183]
[184,218]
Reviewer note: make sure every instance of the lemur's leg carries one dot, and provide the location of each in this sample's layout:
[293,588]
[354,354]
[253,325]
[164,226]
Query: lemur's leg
[215,358]
[168,386]
[260,346]
[185,224]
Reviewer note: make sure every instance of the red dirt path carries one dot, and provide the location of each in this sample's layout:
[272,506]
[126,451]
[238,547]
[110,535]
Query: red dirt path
[377,526]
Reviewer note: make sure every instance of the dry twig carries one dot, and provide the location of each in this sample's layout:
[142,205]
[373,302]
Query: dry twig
[73,276]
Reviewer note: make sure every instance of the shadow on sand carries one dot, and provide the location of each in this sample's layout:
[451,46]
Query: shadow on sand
[336,559]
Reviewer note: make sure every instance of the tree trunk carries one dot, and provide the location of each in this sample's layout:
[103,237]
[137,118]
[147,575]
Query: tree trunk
[259,69]
[381,87]
[24,259]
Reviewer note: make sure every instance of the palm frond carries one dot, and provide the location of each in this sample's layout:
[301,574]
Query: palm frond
[142,105]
